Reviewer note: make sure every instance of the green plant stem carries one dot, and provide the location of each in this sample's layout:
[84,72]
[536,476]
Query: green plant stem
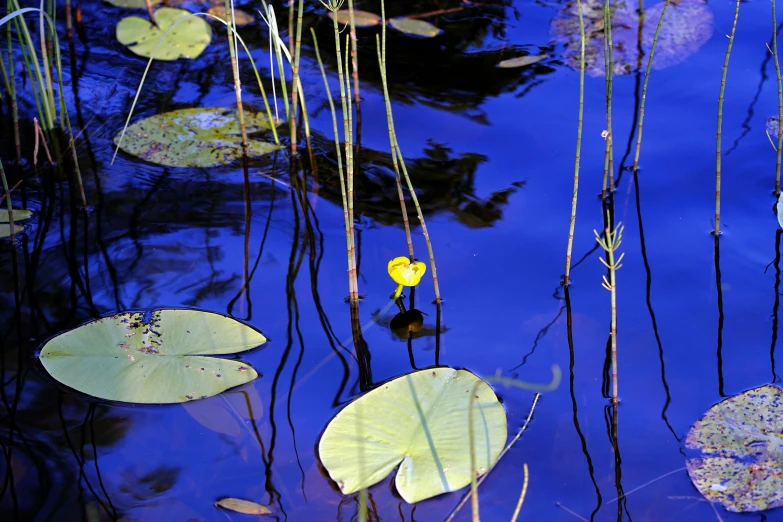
[572,224]
[231,24]
[611,243]
[352,275]
[779,148]
[338,152]
[278,53]
[609,68]
[12,93]
[45,58]
[644,88]
[720,118]
[474,500]
[355,70]
[395,146]
[295,74]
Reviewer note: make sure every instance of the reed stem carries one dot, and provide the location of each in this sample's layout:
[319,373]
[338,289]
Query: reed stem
[720,119]
[295,75]
[521,494]
[12,93]
[609,68]
[9,206]
[395,147]
[232,49]
[779,148]
[611,243]
[572,224]
[355,69]
[644,87]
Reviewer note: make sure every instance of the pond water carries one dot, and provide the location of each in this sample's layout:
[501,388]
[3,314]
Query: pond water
[491,152]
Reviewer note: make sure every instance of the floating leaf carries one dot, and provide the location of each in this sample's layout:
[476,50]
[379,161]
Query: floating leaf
[133,4]
[360,18]
[686,27]
[414,27]
[241,17]
[19,215]
[5,229]
[243,506]
[740,451]
[195,137]
[187,40]
[421,421]
[521,61]
[780,209]
[156,357]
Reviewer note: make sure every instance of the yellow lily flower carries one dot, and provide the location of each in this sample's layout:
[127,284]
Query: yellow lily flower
[406,273]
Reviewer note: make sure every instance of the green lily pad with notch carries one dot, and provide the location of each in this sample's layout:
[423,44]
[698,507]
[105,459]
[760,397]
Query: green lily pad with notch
[739,451]
[187,40]
[414,27]
[420,422]
[360,18]
[159,357]
[195,137]
[21,214]
[5,229]
[133,4]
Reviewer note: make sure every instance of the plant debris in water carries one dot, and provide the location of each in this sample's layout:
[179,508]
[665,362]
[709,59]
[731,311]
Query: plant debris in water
[133,4]
[740,451]
[414,27]
[522,61]
[195,137]
[187,40]
[243,506]
[686,27]
[240,16]
[360,18]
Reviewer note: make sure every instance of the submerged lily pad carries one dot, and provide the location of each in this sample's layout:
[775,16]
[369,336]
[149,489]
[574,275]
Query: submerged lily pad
[414,27]
[195,137]
[740,450]
[133,4]
[241,17]
[187,40]
[686,27]
[5,229]
[360,18]
[521,61]
[152,358]
[19,215]
[419,421]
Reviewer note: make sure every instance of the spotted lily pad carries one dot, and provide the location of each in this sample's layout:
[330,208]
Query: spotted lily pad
[419,421]
[195,137]
[19,215]
[133,4]
[739,451]
[522,61]
[187,40]
[686,27]
[414,27]
[241,17]
[157,357]
[360,18]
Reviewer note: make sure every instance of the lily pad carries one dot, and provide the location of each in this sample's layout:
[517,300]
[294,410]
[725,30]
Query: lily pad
[414,27]
[360,18]
[686,27]
[19,215]
[133,4]
[241,17]
[522,61]
[195,137]
[156,357]
[187,40]
[243,506]
[419,421]
[5,229]
[740,450]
